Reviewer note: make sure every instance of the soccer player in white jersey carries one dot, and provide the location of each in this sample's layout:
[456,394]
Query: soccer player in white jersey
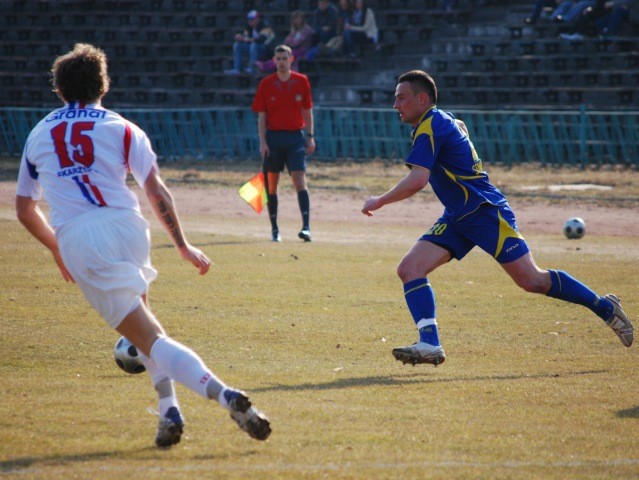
[78,156]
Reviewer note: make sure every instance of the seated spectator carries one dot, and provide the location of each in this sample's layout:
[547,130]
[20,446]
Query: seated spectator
[334,46]
[254,43]
[538,8]
[344,12]
[610,24]
[300,39]
[324,21]
[360,29]
[569,11]
[592,19]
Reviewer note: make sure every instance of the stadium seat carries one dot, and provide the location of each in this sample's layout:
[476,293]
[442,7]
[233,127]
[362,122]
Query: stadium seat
[592,78]
[365,96]
[581,62]
[551,96]
[503,96]
[178,49]
[478,49]
[575,96]
[551,47]
[626,96]
[560,63]
[540,79]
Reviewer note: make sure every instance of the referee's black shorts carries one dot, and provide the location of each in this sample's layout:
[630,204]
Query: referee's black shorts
[286,147]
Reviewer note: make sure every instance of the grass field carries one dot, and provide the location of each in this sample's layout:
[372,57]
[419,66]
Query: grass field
[531,388]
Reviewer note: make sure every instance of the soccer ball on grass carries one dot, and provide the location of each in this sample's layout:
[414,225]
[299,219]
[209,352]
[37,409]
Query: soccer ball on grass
[574,228]
[126,356]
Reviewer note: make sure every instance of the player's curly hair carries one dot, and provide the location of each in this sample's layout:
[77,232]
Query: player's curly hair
[81,75]
[420,81]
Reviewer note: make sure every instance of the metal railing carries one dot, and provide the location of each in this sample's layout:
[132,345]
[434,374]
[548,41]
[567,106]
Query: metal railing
[578,137]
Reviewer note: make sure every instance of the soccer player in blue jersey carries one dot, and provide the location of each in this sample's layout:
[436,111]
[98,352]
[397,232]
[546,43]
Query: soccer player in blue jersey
[475,213]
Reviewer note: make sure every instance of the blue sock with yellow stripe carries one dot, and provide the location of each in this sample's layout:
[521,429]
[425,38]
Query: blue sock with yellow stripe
[564,287]
[420,299]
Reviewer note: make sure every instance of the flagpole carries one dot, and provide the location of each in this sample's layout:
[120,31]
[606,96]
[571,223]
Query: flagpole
[265,173]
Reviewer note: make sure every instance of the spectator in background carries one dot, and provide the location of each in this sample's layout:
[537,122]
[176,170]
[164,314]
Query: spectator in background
[609,24]
[334,45]
[604,18]
[538,8]
[360,29]
[569,11]
[300,40]
[324,21]
[344,12]
[255,42]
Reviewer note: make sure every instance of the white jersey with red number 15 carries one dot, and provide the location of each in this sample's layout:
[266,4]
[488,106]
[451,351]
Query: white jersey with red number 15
[80,156]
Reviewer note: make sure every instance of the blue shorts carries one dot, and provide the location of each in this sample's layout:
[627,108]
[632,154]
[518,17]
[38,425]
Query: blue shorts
[492,228]
[285,148]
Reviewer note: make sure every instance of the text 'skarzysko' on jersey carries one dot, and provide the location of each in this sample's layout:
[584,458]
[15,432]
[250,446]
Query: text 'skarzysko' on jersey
[82,154]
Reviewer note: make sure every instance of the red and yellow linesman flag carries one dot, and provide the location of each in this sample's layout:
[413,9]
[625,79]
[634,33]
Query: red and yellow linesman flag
[254,192]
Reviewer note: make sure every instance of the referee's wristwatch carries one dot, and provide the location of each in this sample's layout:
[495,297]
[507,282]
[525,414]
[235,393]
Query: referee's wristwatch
[310,135]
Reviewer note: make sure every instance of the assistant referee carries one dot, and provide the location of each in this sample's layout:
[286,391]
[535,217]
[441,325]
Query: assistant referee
[284,106]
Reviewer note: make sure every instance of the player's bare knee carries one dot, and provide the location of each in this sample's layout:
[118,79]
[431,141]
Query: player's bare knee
[406,272]
[532,285]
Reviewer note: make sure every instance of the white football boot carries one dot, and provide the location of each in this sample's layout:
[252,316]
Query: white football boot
[619,322]
[420,352]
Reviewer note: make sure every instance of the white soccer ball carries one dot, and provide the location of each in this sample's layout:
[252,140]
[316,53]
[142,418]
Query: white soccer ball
[126,356]
[574,228]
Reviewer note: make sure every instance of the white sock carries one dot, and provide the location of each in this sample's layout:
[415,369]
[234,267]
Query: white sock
[166,396]
[162,384]
[183,365]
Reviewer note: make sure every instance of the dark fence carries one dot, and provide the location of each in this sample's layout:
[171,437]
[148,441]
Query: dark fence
[551,137]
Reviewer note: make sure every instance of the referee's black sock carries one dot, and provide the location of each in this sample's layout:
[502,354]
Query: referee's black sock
[305,207]
[272,211]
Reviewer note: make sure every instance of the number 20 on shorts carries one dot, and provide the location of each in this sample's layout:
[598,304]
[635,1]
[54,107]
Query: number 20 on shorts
[437,229]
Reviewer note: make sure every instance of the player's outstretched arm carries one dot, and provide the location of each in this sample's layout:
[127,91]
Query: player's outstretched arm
[164,209]
[408,186]
[36,223]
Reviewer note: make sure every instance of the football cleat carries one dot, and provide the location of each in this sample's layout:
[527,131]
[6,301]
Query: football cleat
[305,234]
[247,417]
[275,236]
[170,429]
[619,322]
[420,352]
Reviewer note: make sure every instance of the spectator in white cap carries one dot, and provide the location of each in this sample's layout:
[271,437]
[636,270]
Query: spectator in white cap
[256,42]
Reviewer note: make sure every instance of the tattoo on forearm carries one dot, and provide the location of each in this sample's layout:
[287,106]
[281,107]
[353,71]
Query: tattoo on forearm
[171,224]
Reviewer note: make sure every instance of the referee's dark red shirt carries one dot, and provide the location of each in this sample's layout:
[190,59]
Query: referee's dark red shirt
[283,101]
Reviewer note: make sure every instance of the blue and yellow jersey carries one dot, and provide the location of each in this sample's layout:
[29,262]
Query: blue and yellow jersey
[456,171]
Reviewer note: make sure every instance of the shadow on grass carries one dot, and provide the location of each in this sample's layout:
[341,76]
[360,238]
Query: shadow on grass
[15,465]
[415,378]
[38,465]
[629,413]
[265,241]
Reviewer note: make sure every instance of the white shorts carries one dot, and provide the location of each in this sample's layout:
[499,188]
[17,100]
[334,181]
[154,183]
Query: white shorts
[107,253]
